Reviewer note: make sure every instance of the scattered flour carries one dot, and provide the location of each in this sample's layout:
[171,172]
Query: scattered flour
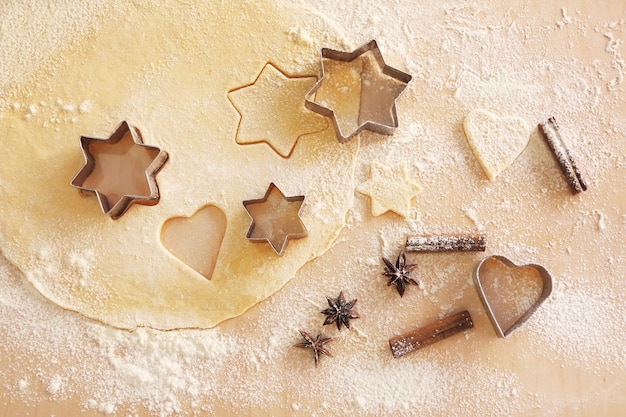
[22,384]
[42,31]
[573,321]
[55,384]
[85,106]
[565,19]
[617,60]
[466,57]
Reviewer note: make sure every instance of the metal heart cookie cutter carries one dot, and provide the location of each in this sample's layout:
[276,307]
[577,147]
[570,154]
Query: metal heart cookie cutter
[489,296]
[376,85]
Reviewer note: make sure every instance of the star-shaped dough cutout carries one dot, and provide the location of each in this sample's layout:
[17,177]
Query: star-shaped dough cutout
[272,111]
[120,170]
[275,219]
[357,90]
[389,189]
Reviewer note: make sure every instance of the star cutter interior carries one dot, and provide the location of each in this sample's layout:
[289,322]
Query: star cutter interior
[111,170]
[372,125]
[498,325]
[275,219]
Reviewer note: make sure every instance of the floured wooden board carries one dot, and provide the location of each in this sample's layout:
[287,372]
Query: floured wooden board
[167,70]
[529,60]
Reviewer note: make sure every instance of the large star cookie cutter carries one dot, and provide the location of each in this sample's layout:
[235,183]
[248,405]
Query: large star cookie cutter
[120,170]
[275,219]
[376,109]
[489,300]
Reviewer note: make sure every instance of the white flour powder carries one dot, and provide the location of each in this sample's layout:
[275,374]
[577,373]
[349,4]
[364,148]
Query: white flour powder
[462,56]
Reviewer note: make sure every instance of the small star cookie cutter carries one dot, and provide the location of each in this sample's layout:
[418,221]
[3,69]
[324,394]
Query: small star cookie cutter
[376,97]
[275,219]
[117,195]
[546,289]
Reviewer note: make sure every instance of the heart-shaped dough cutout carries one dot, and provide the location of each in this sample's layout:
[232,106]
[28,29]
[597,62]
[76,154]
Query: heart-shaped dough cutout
[510,293]
[196,240]
[496,141]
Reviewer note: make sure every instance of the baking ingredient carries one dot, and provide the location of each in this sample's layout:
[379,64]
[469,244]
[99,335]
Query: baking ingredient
[399,274]
[431,333]
[339,311]
[316,344]
[550,131]
[446,243]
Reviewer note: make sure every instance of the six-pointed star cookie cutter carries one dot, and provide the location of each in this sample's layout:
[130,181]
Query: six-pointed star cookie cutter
[372,46]
[117,209]
[546,289]
[266,237]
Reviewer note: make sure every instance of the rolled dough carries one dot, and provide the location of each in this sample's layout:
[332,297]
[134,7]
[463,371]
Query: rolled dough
[166,69]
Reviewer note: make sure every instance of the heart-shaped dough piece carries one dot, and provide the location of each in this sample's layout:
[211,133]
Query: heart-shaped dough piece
[496,141]
[196,240]
[510,293]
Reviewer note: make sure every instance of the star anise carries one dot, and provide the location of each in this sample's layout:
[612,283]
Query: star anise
[399,273]
[340,312]
[316,344]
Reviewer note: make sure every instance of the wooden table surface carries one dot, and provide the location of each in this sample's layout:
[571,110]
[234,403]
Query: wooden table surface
[528,58]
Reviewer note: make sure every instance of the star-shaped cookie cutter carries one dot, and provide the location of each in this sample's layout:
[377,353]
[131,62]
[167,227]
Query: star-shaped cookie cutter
[117,208]
[371,125]
[266,221]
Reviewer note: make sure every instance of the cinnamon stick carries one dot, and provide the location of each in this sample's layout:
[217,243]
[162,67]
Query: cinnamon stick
[446,243]
[429,334]
[550,132]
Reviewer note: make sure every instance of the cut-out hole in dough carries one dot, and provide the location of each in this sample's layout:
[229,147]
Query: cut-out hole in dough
[196,240]
[272,110]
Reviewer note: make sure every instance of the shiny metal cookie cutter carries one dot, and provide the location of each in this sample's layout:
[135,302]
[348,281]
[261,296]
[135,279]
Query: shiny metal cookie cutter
[370,125]
[546,280]
[266,226]
[116,209]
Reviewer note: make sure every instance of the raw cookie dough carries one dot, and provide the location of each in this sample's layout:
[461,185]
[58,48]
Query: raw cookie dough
[166,69]
[389,189]
[496,141]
